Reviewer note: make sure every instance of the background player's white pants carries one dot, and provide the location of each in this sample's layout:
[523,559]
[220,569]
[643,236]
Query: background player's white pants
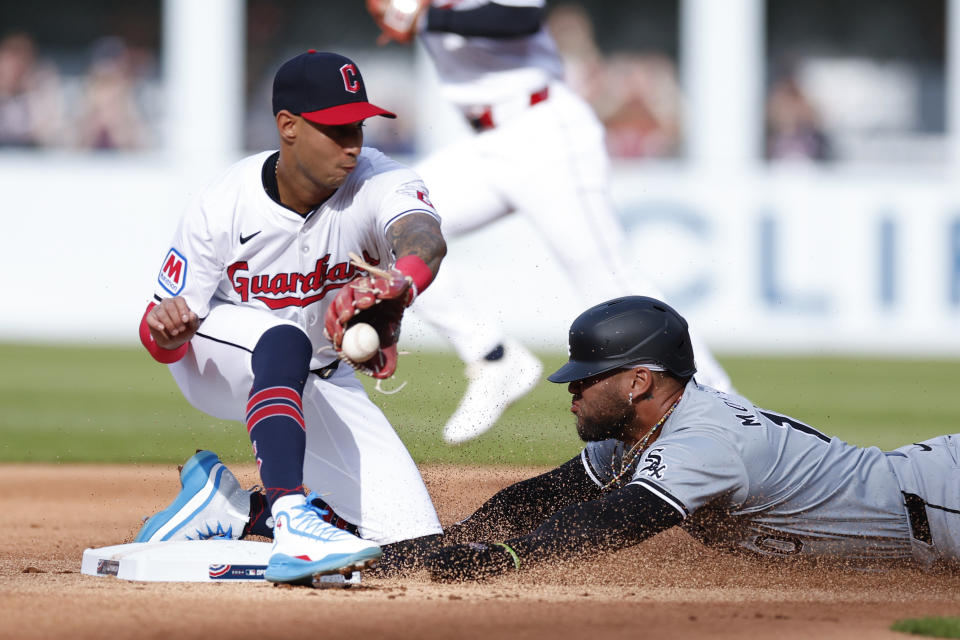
[354,458]
[549,163]
[931,470]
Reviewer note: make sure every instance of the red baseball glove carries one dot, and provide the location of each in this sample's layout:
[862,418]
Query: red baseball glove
[397,19]
[379,299]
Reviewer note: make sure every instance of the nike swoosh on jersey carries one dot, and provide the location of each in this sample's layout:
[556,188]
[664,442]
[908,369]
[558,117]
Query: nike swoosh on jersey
[249,237]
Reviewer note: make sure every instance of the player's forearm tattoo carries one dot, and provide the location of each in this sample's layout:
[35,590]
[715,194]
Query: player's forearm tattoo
[418,235]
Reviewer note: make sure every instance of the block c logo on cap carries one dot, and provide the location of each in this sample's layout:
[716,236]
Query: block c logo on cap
[351,77]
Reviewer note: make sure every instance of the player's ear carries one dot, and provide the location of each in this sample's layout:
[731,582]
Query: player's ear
[642,382]
[287,125]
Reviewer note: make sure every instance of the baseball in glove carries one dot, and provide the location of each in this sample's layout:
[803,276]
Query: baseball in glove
[397,19]
[379,299]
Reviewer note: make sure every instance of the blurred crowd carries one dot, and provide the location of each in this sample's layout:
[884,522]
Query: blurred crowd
[112,104]
[827,97]
[794,130]
[638,97]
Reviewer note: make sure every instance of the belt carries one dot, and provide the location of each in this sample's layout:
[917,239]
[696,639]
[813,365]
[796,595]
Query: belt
[482,118]
[917,511]
[327,371]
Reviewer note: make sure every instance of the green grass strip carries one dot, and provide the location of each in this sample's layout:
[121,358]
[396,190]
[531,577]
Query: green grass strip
[934,626]
[102,403]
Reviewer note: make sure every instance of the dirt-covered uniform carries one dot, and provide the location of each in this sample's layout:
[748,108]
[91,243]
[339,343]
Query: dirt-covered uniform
[762,482]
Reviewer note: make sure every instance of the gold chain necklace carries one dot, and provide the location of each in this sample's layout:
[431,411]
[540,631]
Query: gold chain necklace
[630,456]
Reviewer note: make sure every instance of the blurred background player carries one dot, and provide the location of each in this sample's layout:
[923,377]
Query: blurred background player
[539,150]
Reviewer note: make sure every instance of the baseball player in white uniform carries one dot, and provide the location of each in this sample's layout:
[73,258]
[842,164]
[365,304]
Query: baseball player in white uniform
[539,150]
[249,310]
[663,450]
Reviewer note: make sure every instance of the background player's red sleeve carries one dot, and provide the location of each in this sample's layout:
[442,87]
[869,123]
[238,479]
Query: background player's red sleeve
[166,356]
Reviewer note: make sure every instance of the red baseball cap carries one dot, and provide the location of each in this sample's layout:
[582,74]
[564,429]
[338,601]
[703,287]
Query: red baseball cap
[325,88]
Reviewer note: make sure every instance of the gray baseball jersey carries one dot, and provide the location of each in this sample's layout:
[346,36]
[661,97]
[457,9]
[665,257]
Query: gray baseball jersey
[751,479]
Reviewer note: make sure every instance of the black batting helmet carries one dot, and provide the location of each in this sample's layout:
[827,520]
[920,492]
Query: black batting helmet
[624,331]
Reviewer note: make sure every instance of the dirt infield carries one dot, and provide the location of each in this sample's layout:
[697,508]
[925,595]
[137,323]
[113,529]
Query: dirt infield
[668,587]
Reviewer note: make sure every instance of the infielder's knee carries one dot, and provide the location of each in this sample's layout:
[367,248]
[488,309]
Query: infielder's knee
[281,357]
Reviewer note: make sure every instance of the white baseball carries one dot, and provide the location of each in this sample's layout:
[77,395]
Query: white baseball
[360,342]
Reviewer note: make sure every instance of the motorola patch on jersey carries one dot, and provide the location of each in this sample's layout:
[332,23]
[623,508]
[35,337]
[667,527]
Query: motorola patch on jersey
[173,273]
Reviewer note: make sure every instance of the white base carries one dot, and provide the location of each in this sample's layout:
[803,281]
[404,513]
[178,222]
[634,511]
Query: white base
[191,561]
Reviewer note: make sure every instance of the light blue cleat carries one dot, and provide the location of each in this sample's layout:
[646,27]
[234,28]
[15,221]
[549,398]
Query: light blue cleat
[211,504]
[305,545]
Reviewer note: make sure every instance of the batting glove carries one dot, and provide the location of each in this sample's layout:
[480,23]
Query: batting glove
[472,561]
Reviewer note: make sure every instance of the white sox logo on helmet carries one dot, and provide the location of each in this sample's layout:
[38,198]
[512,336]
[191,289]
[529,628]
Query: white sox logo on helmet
[351,78]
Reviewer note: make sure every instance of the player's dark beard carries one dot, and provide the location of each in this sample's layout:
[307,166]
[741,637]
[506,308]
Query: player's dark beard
[610,424]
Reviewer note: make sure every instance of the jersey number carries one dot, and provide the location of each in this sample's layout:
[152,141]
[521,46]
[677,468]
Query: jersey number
[786,421]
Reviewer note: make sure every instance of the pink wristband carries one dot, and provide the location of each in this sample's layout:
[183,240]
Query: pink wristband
[417,269]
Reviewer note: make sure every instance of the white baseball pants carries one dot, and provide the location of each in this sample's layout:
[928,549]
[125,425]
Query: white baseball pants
[354,458]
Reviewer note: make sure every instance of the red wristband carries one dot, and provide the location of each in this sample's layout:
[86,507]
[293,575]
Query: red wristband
[417,269]
[166,356]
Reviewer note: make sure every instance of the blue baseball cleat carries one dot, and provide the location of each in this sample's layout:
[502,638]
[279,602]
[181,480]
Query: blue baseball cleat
[211,504]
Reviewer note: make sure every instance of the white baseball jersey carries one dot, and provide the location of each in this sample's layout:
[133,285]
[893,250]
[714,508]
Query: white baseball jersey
[246,264]
[755,480]
[543,156]
[475,70]
[237,245]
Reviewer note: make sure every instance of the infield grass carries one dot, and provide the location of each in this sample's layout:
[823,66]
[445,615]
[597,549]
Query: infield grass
[114,404]
[934,626]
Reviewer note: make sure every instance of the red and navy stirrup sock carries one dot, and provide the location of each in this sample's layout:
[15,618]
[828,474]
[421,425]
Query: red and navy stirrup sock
[275,423]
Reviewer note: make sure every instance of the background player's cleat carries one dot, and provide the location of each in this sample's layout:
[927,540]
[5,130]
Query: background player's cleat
[493,386]
[211,504]
[305,545]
